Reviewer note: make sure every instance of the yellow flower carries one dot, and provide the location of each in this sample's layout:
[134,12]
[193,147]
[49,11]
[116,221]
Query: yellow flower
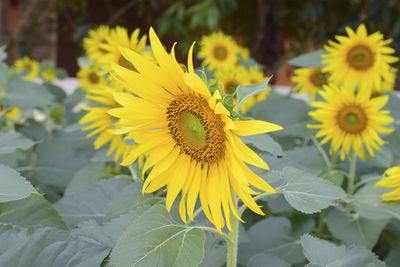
[391,178]
[49,74]
[359,60]
[27,66]
[218,50]
[95,42]
[191,143]
[91,78]
[12,113]
[119,38]
[309,80]
[230,78]
[350,120]
[244,52]
[102,123]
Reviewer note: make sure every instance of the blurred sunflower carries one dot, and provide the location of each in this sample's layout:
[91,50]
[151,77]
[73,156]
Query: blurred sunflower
[49,74]
[309,80]
[102,123]
[218,50]
[12,113]
[95,42]
[350,120]
[27,66]
[191,142]
[359,60]
[230,78]
[391,178]
[91,78]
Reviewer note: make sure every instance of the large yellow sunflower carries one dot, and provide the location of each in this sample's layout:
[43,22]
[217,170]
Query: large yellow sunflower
[93,44]
[102,123]
[218,50]
[192,143]
[309,80]
[27,66]
[91,78]
[391,178]
[350,120]
[359,60]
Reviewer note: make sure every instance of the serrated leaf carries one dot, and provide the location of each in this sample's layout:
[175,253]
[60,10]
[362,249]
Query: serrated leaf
[321,252]
[13,186]
[308,60]
[20,247]
[264,143]
[10,142]
[308,193]
[266,260]
[155,239]
[243,92]
[24,94]
[31,212]
[355,230]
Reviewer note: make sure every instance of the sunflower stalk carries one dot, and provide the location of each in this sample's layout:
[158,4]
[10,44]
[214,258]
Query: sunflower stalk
[351,178]
[234,241]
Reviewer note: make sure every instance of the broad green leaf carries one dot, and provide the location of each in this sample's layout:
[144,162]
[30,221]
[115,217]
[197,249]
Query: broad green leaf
[58,93]
[336,177]
[10,142]
[393,105]
[21,247]
[154,239]
[31,212]
[307,193]
[313,160]
[9,159]
[308,60]
[369,204]
[324,253]
[215,250]
[264,143]
[61,156]
[393,258]
[91,201]
[34,130]
[243,92]
[13,186]
[3,54]
[266,260]
[3,77]
[355,230]
[383,159]
[24,94]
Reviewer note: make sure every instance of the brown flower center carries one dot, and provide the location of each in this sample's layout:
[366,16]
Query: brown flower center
[94,78]
[360,57]
[220,52]
[196,129]
[319,78]
[352,119]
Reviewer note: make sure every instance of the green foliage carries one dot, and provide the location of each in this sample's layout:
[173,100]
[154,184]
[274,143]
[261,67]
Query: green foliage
[10,142]
[13,186]
[243,92]
[308,60]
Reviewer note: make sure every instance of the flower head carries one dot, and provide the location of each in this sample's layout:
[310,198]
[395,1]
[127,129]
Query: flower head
[96,41]
[390,179]
[309,80]
[27,66]
[190,140]
[91,78]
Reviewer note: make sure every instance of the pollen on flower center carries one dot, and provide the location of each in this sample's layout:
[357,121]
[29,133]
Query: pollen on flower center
[360,57]
[196,129]
[220,52]
[318,78]
[352,119]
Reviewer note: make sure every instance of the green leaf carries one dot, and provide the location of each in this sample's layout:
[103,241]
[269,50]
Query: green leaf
[20,247]
[383,159]
[245,91]
[369,204]
[13,186]
[154,239]
[324,253]
[264,143]
[91,201]
[307,193]
[393,105]
[215,250]
[24,94]
[10,142]
[3,77]
[393,258]
[355,230]
[336,177]
[313,160]
[308,60]
[266,260]
[3,54]
[31,212]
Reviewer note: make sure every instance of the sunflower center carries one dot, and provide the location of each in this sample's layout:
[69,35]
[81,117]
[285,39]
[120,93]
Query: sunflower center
[352,119]
[230,87]
[360,57]
[94,78]
[319,78]
[196,129]
[220,52]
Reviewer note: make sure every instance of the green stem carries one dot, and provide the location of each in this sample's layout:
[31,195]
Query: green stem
[24,169]
[322,152]
[215,231]
[321,223]
[133,172]
[351,178]
[233,244]
[360,183]
[197,212]
[333,160]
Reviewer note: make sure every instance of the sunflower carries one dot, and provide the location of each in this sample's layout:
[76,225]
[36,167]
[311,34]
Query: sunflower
[192,143]
[255,75]
[12,113]
[91,78]
[218,50]
[93,44]
[102,123]
[309,80]
[350,120]
[359,60]
[230,78]
[119,37]
[244,52]
[49,74]
[391,178]
[29,67]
